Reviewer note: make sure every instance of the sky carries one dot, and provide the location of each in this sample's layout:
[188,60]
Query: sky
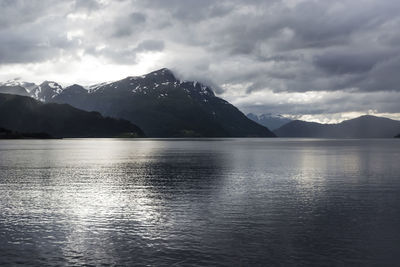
[316,60]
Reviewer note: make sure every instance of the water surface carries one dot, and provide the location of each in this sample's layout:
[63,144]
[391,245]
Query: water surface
[219,202]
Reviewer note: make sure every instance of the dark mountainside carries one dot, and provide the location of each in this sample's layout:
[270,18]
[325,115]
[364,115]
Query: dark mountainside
[164,106]
[362,127]
[270,121]
[8,134]
[397,136]
[13,89]
[26,115]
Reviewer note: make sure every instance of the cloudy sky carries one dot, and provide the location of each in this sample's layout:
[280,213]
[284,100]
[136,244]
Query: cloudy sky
[314,59]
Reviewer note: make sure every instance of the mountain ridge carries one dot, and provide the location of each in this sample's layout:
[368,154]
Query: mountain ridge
[163,106]
[8,134]
[366,126]
[170,107]
[27,115]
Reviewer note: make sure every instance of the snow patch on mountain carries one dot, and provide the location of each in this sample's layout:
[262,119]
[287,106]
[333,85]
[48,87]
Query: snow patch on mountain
[18,82]
[46,90]
[271,121]
[93,88]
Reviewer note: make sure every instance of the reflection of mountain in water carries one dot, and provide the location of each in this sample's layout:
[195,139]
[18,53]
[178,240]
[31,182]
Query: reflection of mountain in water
[255,202]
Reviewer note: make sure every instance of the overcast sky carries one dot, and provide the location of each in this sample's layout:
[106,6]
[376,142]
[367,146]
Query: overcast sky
[320,60]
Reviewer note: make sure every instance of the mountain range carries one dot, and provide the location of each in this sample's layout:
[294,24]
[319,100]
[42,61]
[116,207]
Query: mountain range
[159,103]
[270,121]
[23,114]
[362,127]
[43,92]
[162,105]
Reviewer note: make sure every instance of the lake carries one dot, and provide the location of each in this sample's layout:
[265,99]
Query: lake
[196,202]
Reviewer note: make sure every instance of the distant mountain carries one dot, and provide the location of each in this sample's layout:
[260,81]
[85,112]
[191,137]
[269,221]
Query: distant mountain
[270,121]
[164,106]
[362,127]
[16,87]
[26,115]
[397,136]
[43,92]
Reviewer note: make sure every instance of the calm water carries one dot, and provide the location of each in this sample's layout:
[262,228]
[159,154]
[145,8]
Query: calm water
[222,202]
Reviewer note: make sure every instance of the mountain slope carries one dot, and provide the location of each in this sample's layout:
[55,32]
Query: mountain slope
[165,106]
[362,127]
[17,87]
[8,134]
[270,121]
[14,89]
[24,114]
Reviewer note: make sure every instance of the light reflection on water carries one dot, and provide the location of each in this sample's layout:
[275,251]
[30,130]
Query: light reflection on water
[200,202]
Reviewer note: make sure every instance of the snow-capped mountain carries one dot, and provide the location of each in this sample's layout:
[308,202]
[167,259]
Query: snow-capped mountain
[161,84]
[271,121]
[43,92]
[16,87]
[163,106]
[46,91]
[155,82]
[17,82]
[160,103]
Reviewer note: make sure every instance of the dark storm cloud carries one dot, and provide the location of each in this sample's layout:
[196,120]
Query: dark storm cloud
[350,62]
[16,12]
[384,76]
[190,10]
[15,49]
[315,31]
[33,39]
[251,46]
[314,45]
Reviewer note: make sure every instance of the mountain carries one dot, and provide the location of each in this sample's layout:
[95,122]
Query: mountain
[46,91]
[362,127]
[164,106]
[397,136]
[13,88]
[26,115]
[17,90]
[270,121]
[16,87]
[43,92]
